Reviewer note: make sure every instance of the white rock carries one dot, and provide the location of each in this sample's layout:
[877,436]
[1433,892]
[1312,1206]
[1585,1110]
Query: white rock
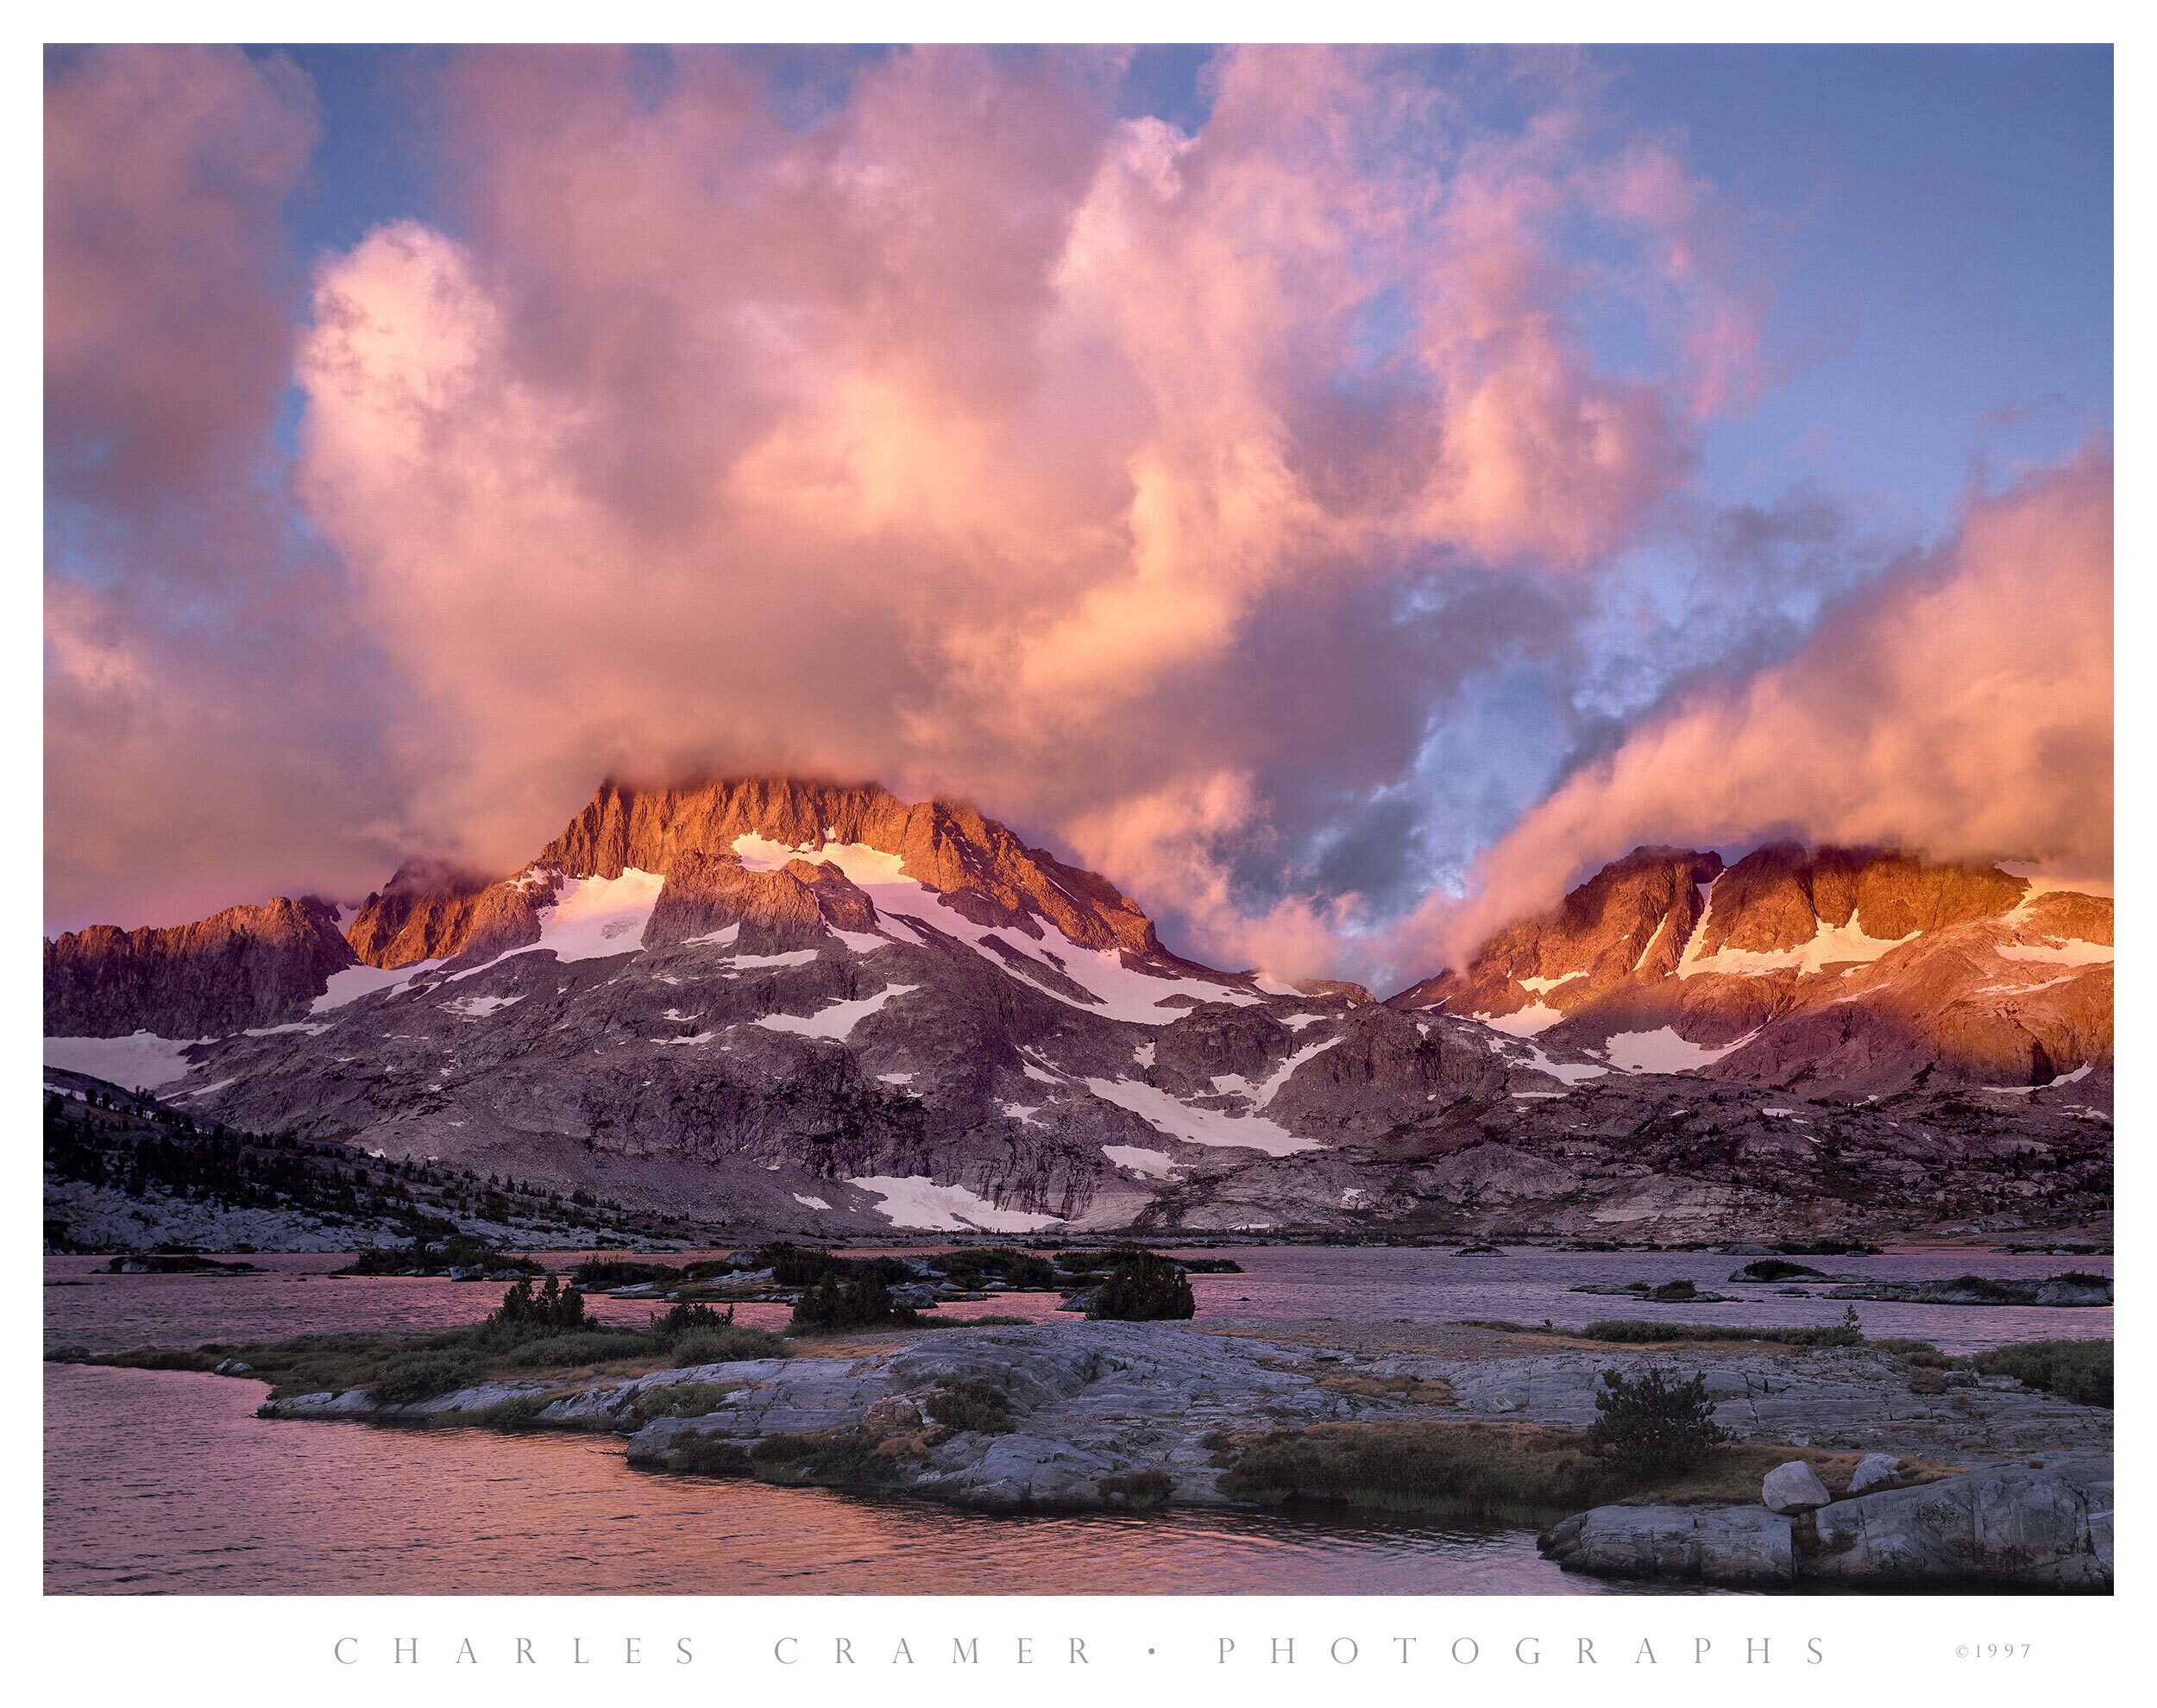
[1794,1487]
[1874,1469]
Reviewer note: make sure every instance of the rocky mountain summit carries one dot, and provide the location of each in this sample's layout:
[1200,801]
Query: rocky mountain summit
[1840,972]
[786,1005]
[246,966]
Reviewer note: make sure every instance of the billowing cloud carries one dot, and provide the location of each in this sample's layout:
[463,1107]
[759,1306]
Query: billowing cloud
[1260,508]
[973,437]
[165,338]
[1961,708]
[209,732]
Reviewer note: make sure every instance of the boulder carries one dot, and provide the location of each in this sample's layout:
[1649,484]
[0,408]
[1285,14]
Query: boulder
[2022,1528]
[2019,1528]
[1794,1487]
[1874,1469]
[1679,1544]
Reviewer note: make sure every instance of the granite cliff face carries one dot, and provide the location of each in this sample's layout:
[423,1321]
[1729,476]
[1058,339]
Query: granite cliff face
[789,1005]
[244,967]
[1848,973]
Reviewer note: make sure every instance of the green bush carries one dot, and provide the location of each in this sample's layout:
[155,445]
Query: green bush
[454,1251]
[859,1300]
[523,1313]
[2075,1370]
[594,1345]
[678,1320]
[838,1457]
[1140,1490]
[971,1267]
[599,1275]
[1778,1269]
[682,1399]
[1143,1288]
[727,1345]
[974,1403]
[1651,1426]
[422,1374]
[707,1456]
[1923,1354]
[518,1413]
[792,1265]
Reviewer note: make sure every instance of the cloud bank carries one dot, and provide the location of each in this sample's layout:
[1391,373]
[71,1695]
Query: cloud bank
[1189,497]
[1962,707]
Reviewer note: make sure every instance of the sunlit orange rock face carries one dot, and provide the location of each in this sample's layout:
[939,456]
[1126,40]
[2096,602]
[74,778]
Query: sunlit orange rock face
[988,873]
[425,912]
[1838,971]
[244,967]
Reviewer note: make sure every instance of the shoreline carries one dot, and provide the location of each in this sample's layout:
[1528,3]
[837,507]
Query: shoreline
[1080,1416]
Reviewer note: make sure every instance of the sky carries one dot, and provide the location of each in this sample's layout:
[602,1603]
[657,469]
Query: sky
[1342,496]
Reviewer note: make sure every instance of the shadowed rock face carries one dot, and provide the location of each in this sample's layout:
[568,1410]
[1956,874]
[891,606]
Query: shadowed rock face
[244,967]
[1835,972]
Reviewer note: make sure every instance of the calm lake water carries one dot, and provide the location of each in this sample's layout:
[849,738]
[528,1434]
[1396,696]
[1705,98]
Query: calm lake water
[159,1482]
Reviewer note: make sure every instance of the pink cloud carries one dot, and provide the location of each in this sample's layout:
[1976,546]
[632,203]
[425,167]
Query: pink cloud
[1962,708]
[166,339]
[964,437]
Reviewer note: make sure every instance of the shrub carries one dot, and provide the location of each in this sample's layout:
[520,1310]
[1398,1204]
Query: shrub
[1778,1269]
[594,1345]
[861,1300]
[792,1265]
[974,1403]
[1021,1270]
[1652,1426]
[1923,1354]
[707,1456]
[683,1399]
[523,1313]
[597,1275]
[726,1344]
[678,1320]
[838,1457]
[1143,1288]
[2075,1370]
[513,1414]
[1138,1489]
[422,1374]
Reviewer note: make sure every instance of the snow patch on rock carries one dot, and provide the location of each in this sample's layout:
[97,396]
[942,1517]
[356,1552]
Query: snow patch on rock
[477,1008]
[1198,1126]
[835,1021]
[2060,952]
[1663,1052]
[1522,1022]
[141,1061]
[1828,946]
[1154,1164]
[917,1200]
[354,982]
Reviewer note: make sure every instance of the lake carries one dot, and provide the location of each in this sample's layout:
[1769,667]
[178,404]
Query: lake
[160,1482]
